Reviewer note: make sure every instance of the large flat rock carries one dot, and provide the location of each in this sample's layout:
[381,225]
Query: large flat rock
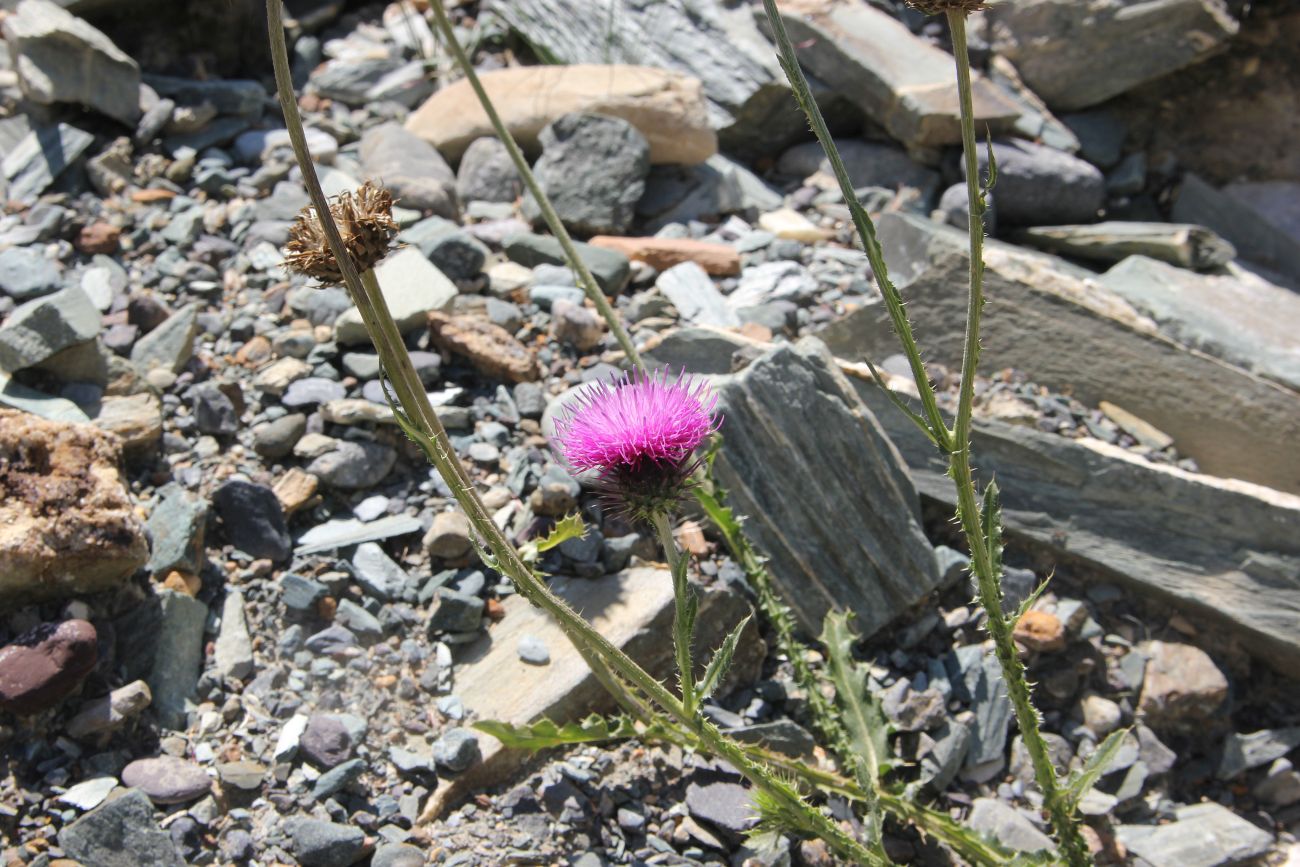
[1074,54]
[1241,317]
[899,79]
[1222,548]
[667,107]
[1065,330]
[633,609]
[716,42]
[825,495]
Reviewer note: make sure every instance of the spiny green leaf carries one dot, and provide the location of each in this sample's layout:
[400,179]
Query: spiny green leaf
[1032,598]
[720,663]
[545,733]
[1086,777]
[993,525]
[861,712]
[568,527]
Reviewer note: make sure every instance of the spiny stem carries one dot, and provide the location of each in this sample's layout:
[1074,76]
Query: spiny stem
[682,604]
[549,215]
[1064,824]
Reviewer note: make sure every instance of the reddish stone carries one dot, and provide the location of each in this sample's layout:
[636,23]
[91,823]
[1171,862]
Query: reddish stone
[720,260]
[99,238]
[1040,631]
[43,665]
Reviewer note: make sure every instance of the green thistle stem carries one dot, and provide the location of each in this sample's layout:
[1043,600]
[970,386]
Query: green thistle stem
[684,605]
[1065,826]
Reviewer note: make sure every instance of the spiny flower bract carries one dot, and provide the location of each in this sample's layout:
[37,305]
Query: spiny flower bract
[639,432]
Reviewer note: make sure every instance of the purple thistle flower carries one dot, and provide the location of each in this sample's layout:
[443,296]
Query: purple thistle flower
[639,432]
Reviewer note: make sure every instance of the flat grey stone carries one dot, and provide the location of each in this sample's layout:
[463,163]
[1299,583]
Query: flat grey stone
[792,415]
[317,843]
[1007,825]
[167,780]
[26,273]
[43,327]
[1205,835]
[695,296]
[610,268]
[234,648]
[412,169]
[178,658]
[176,527]
[40,157]
[170,345]
[1241,752]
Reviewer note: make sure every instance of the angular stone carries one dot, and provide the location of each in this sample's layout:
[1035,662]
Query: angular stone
[610,268]
[40,157]
[1239,317]
[42,327]
[491,349]
[112,711]
[167,780]
[253,519]
[25,273]
[869,164]
[593,169]
[668,108]
[630,608]
[413,288]
[354,466]
[1241,752]
[44,664]
[178,657]
[727,806]
[1076,55]
[136,419]
[452,250]
[377,573]
[61,58]
[233,653]
[1204,835]
[170,345]
[66,523]
[696,298]
[316,843]
[699,350]
[325,742]
[121,833]
[719,260]
[176,527]
[411,169]
[1065,331]
[1183,687]
[873,558]
[487,174]
[1007,825]
[900,80]
[345,532]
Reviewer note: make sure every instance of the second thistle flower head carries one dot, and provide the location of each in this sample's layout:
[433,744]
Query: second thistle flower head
[639,432]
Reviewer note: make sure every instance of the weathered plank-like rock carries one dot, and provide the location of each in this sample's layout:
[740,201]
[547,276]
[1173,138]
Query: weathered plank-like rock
[1239,317]
[1051,320]
[1222,548]
[668,108]
[1074,55]
[900,80]
[826,496]
[633,609]
[66,522]
[1183,244]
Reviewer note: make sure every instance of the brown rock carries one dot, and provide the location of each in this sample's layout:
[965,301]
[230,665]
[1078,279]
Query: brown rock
[577,325]
[490,348]
[1183,686]
[44,664]
[295,489]
[667,107]
[254,352]
[66,523]
[1041,632]
[449,537]
[99,238]
[720,260]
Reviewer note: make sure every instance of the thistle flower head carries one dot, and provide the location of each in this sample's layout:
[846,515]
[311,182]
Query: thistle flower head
[365,221]
[639,432]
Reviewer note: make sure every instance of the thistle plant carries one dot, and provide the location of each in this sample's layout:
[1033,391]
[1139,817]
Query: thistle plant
[979,514]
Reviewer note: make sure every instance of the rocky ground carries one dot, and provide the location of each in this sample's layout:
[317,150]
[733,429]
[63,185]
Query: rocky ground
[243,622]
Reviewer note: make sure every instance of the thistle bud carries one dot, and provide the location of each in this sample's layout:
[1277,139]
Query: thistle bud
[365,222]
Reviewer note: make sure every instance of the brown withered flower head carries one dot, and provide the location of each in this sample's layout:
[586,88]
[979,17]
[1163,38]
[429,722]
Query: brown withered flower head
[939,7]
[365,221]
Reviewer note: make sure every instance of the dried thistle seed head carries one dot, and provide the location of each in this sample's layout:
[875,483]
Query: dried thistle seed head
[939,7]
[365,222]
